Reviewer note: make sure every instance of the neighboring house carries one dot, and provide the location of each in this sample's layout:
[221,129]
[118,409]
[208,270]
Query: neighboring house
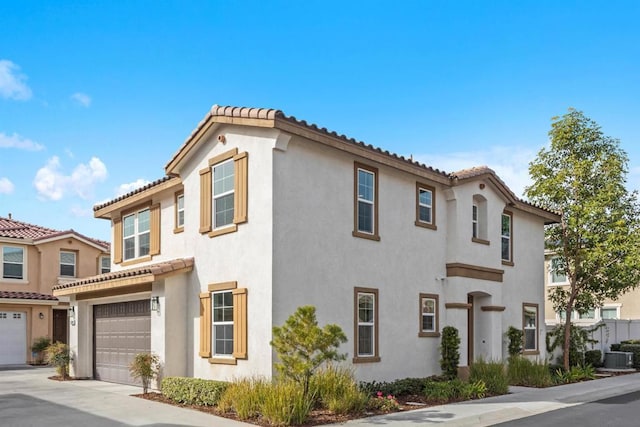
[260,213]
[626,307]
[34,259]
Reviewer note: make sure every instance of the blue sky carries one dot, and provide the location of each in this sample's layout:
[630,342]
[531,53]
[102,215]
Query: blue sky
[95,97]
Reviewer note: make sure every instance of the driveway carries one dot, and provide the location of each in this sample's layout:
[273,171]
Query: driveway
[29,398]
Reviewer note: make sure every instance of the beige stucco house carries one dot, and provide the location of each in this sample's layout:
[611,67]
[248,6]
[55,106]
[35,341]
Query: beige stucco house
[34,259]
[260,213]
[626,307]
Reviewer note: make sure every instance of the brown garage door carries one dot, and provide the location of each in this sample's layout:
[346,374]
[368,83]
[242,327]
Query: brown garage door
[121,331]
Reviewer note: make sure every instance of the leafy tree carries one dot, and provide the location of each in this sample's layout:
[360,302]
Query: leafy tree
[302,346]
[145,366]
[582,176]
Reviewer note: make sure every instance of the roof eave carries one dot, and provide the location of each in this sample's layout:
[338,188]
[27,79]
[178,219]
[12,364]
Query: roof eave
[136,198]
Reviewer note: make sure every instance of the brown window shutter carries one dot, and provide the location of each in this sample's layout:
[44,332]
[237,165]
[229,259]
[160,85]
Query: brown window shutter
[117,240]
[241,186]
[205,325]
[240,323]
[205,200]
[155,230]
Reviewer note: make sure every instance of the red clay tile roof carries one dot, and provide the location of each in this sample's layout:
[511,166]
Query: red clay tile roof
[27,295]
[156,269]
[11,228]
[131,193]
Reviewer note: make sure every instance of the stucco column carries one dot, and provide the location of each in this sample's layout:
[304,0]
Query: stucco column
[81,339]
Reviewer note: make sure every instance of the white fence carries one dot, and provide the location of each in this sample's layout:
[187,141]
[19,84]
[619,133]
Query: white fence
[612,332]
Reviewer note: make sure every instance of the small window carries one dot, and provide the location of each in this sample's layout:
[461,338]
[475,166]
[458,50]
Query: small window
[479,219]
[136,234]
[530,328]
[557,271]
[587,315]
[222,323]
[223,194]
[366,327]
[609,312]
[67,264]
[12,263]
[507,244]
[179,212]
[425,206]
[429,316]
[366,202]
[105,264]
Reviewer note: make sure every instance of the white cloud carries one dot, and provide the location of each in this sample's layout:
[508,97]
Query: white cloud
[511,164]
[80,212]
[12,82]
[129,187]
[17,141]
[81,99]
[53,184]
[6,186]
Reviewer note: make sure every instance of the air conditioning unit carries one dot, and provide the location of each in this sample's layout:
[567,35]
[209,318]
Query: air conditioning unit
[618,360]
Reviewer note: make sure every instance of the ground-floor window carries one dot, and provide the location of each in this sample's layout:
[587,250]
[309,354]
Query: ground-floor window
[366,325]
[530,327]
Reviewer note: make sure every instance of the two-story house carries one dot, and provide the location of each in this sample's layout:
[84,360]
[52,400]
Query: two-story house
[260,213]
[626,306]
[34,259]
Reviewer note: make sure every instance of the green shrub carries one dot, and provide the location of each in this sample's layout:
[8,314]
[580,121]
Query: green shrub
[245,397]
[401,387]
[384,403]
[58,355]
[144,366]
[285,403]
[336,389]
[302,346]
[456,389]
[39,347]
[575,374]
[615,347]
[522,371]
[492,374]
[593,358]
[439,391]
[630,342]
[635,349]
[515,336]
[193,391]
[450,351]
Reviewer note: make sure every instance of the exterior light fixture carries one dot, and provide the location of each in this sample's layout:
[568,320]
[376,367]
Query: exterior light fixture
[72,316]
[155,303]
[41,316]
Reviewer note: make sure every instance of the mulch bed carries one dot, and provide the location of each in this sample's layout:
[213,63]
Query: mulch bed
[316,417]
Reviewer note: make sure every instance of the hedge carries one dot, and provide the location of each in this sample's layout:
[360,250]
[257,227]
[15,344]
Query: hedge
[193,391]
[635,349]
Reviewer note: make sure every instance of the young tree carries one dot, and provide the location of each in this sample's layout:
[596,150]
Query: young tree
[582,176]
[303,346]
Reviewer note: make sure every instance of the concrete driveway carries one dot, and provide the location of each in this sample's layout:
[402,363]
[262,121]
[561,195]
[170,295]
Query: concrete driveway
[29,398]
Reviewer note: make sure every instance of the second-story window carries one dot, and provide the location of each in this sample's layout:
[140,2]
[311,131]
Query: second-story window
[507,243]
[12,262]
[474,220]
[180,210]
[425,206]
[105,264]
[67,264]
[136,234]
[366,202]
[223,194]
[479,220]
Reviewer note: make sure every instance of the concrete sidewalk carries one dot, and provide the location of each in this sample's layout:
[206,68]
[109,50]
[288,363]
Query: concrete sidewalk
[28,398]
[520,402]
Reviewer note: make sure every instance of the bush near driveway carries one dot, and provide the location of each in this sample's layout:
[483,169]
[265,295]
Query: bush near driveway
[193,391]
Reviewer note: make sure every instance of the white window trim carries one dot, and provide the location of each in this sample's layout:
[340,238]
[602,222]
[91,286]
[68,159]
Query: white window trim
[136,234]
[371,202]
[371,324]
[108,258]
[221,323]
[433,315]
[550,281]
[24,265]
[507,237]
[430,206]
[218,196]
[179,210]
[536,328]
[75,263]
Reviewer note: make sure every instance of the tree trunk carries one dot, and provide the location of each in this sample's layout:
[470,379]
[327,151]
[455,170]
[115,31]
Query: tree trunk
[566,345]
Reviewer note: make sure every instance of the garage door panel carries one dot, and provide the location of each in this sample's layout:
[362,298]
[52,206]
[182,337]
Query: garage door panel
[13,330]
[122,330]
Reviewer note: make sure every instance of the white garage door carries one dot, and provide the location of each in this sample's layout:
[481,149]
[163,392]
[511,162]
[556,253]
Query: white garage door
[122,330]
[13,337]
